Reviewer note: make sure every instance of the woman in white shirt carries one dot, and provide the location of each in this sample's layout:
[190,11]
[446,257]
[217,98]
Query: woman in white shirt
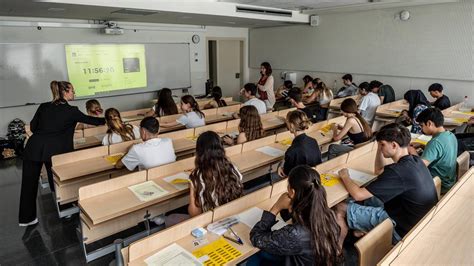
[323,95]
[117,130]
[265,85]
[192,116]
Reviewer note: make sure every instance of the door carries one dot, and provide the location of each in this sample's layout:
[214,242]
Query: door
[229,67]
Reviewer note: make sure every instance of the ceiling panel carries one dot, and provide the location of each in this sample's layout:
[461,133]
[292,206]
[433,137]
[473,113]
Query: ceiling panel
[297,4]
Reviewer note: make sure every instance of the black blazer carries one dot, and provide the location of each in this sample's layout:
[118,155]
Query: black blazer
[53,130]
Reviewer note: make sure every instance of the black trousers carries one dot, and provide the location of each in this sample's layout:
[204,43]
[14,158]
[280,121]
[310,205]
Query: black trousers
[29,188]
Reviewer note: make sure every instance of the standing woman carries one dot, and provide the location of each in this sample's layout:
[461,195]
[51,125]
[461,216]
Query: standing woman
[265,85]
[53,131]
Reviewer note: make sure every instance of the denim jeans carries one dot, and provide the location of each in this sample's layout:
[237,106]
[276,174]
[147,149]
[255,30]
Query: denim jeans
[368,216]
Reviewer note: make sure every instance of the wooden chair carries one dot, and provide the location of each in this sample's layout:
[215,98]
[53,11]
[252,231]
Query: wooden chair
[437,182]
[462,164]
[376,244]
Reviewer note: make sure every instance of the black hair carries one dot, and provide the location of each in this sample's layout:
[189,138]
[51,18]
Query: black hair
[364,86]
[217,95]
[431,114]
[150,124]
[436,87]
[165,103]
[396,133]
[268,68]
[347,77]
[375,84]
[251,88]
[414,98]
[307,79]
[295,94]
[288,84]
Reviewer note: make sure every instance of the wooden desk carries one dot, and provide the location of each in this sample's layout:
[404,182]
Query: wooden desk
[335,104]
[446,239]
[391,110]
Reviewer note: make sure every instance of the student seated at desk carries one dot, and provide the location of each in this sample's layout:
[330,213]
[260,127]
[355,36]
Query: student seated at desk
[370,102]
[403,191]
[384,91]
[308,84]
[417,102]
[323,95]
[250,126]
[192,117]
[165,104]
[296,100]
[94,109]
[217,100]
[282,91]
[442,101]
[249,92]
[349,89]
[303,149]
[117,130]
[356,128]
[313,236]
[440,153]
[214,180]
[153,152]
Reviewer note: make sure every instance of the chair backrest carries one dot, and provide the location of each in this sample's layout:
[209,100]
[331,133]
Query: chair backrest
[462,164]
[437,183]
[376,244]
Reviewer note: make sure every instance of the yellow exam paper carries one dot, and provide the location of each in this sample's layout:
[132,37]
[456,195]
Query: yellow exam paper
[113,159]
[286,142]
[326,128]
[220,252]
[329,180]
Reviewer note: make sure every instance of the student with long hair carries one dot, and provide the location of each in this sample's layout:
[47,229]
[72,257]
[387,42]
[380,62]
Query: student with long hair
[214,180]
[265,85]
[308,84]
[303,149]
[250,126]
[192,116]
[323,95]
[117,130]
[53,131]
[165,104]
[417,103]
[313,236]
[217,100]
[355,127]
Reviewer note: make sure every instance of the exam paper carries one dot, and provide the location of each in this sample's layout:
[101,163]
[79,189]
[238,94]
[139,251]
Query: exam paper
[270,151]
[172,255]
[180,181]
[147,191]
[360,178]
[253,215]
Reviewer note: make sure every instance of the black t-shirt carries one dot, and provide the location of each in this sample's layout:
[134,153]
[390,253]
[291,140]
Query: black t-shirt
[309,113]
[407,191]
[442,102]
[303,150]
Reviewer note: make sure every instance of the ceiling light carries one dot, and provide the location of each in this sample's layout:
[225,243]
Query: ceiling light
[56,9]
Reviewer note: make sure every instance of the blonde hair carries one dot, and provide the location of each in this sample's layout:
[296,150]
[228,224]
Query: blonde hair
[58,88]
[115,124]
[297,121]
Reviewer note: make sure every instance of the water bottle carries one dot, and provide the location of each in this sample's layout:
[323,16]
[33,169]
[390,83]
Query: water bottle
[464,104]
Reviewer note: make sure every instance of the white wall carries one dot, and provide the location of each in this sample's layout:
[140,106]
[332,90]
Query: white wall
[167,33]
[435,45]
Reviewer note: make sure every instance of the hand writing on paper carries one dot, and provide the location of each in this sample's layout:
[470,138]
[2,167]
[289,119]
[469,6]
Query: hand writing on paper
[283,203]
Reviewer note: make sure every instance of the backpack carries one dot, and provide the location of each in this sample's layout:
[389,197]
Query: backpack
[17,135]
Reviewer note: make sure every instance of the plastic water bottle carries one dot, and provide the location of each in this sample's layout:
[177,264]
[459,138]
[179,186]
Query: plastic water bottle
[464,105]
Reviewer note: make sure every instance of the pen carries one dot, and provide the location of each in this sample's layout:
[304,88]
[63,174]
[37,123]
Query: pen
[233,240]
[236,236]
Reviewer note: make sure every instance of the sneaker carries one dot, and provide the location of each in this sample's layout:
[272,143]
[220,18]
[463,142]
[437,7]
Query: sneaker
[35,221]
[158,220]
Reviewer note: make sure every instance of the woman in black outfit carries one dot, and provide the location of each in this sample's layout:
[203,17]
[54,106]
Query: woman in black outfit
[53,131]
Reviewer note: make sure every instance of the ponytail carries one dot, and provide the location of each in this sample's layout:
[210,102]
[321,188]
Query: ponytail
[115,125]
[188,99]
[310,210]
[58,89]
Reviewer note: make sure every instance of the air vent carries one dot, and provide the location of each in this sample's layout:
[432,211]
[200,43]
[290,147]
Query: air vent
[141,12]
[263,11]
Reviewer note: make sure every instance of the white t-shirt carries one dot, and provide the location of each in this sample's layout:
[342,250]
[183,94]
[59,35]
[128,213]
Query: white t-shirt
[116,138]
[368,106]
[191,120]
[259,104]
[149,154]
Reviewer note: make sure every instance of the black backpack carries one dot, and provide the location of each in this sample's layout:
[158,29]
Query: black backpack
[16,135]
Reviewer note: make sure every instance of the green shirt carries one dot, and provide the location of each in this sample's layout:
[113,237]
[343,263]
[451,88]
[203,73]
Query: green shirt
[441,152]
[387,92]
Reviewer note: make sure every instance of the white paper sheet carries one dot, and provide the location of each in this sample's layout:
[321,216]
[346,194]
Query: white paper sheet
[253,215]
[172,255]
[179,186]
[270,151]
[360,178]
[147,191]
